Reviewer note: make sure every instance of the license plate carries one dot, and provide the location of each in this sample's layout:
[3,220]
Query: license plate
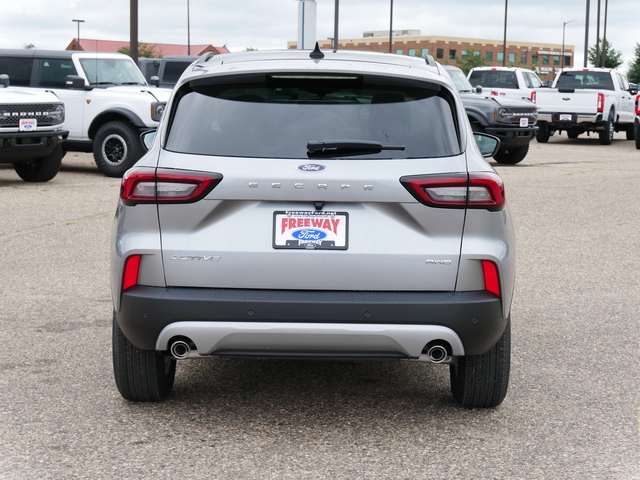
[310,230]
[565,117]
[28,125]
[524,122]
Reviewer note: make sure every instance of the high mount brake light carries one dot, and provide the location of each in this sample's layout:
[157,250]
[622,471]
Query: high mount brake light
[482,190]
[141,185]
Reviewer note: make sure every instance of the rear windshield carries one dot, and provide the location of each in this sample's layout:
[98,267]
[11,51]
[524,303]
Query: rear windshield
[493,79]
[276,116]
[589,80]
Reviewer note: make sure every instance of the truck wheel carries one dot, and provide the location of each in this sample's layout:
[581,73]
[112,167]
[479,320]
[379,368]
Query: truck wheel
[631,134]
[606,135]
[543,134]
[512,156]
[141,375]
[116,147]
[40,169]
[481,381]
[637,135]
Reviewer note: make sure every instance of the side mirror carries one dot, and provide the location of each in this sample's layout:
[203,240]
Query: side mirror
[76,82]
[4,80]
[488,144]
[633,88]
[479,89]
[155,81]
[147,139]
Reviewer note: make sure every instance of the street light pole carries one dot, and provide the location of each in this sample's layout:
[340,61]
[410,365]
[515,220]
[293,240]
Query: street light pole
[391,29]
[504,46]
[586,38]
[78,22]
[188,30]
[564,24]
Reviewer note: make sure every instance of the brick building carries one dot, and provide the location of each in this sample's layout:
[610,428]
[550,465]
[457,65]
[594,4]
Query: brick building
[545,58]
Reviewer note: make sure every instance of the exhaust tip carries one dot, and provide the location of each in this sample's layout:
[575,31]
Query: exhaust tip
[437,354]
[180,349]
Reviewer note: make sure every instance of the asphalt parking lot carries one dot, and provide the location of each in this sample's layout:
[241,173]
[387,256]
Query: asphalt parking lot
[572,411]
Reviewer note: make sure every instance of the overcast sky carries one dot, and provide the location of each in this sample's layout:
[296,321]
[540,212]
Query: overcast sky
[269,24]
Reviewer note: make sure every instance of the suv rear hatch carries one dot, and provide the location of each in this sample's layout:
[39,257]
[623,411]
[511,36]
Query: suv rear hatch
[310,193]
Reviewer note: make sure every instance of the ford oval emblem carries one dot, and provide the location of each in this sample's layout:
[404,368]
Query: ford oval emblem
[311,168]
[309,234]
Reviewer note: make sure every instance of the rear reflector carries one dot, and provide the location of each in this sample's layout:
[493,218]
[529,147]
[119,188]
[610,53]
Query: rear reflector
[491,277]
[483,190]
[142,185]
[131,269]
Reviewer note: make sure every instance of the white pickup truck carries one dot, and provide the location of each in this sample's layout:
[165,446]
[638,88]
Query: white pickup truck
[587,100]
[514,82]
[108,102]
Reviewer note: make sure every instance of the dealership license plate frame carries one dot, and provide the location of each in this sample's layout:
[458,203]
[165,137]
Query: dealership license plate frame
[338,239]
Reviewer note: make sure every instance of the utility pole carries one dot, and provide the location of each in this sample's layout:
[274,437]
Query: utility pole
[133,31]
[586,37]
[391,29]
[504,47]
[78,22]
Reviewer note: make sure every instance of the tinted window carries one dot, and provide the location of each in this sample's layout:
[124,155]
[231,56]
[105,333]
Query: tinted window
[494,79]
[276,118]
[173,70]
[18,69]
[53,72]
[589,80]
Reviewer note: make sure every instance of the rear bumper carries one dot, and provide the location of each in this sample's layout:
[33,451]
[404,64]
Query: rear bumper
[16,147]
[553,118]
[253,320]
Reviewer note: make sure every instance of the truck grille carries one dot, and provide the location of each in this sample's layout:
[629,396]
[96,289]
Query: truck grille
[44,113]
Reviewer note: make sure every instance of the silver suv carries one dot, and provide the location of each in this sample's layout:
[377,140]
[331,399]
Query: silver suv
[314,205]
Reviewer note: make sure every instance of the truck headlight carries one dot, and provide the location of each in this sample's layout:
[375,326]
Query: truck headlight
[157,109]
[58,114]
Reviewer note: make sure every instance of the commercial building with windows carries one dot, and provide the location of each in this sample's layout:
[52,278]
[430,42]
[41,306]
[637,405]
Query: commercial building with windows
[545,58]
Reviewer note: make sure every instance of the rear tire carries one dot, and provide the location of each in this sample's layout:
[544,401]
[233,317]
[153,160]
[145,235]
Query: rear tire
[606,135]
[141,375]
[513,155]
[637,135]
[543,134]
[481,381]
[631,134]
[116,147]
[40,169]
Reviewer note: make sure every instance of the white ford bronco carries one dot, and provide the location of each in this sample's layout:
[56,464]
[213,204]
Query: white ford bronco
[31,133]
[108,102]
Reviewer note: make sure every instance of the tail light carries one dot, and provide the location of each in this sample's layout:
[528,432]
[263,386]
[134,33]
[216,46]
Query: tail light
[141,185]
[600,102]
[638,105]
[491,277]
[457,190]
[131,269]
[534,95]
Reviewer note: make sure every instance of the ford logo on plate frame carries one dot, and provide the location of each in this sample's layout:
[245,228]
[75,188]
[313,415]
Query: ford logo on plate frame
[311,168]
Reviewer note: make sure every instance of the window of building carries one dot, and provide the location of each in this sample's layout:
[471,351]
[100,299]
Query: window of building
[567,61]
[523,58]
[412,52]
[556,59]
[534,59]
[440,53]
[399,51]
[452,54]
[489,56]
[476,53]
[465,54]
[500,57]
[545,59]
[512,58]
[425,52]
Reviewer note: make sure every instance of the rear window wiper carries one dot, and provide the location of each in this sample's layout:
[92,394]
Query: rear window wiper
[348,147]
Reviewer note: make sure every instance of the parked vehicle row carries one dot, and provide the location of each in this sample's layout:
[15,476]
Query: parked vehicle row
[107,100]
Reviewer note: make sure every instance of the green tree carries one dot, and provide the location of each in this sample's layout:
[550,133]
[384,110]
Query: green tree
[144,51]
[250,49]
[612,57]
[469,61]
[634,69]
[30,46]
